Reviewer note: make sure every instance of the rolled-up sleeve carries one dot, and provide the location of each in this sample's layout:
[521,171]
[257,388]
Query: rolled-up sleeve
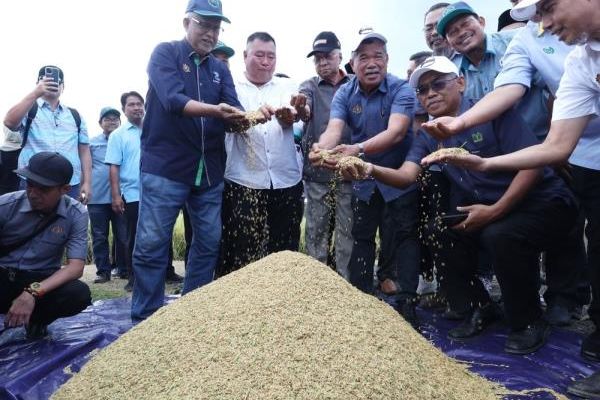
[77,242]
[516,64]
[164,77]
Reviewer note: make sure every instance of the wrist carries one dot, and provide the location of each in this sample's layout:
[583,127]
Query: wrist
[360,149]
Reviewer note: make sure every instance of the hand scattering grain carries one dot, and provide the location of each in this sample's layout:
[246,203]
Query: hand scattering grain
[450,151]
[284,327]
[346,162]
[251,118]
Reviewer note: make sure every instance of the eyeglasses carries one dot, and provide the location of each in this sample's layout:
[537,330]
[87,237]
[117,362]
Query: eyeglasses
[208,27]
[111,119]
[436,86]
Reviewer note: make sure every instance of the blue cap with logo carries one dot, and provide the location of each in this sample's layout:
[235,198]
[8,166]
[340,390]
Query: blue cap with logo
[207,8]
[452,12]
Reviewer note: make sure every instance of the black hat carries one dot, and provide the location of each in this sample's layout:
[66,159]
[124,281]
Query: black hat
[47,169]
[325,42]
[42,73]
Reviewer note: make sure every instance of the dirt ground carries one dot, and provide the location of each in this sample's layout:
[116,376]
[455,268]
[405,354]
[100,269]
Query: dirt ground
[114,288]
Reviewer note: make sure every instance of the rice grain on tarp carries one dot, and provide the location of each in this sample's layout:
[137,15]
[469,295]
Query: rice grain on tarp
[284,327]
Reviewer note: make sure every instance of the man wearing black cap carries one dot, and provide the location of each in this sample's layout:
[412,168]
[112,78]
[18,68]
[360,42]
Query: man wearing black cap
[36,227]
[191,96]
[46,124]
[325,202]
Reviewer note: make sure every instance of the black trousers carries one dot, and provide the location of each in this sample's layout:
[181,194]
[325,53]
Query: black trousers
[64,301]
[131,216]
[586,183]
[396,221]
[514,243]
[258,222]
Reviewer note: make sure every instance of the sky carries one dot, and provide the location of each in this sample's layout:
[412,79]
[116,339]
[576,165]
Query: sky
[104,47]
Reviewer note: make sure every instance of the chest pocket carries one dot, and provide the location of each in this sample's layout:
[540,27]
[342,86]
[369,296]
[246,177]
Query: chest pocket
[480,143]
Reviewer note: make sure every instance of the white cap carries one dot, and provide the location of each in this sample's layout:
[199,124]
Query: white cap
[368,33]
[436,63]
[524,11]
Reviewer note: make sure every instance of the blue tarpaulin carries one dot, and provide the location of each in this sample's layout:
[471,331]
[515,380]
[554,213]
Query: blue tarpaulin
[36,369]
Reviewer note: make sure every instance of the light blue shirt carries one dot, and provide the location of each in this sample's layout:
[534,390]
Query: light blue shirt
[54,131]
[532,52]
[100,171]
[124,150]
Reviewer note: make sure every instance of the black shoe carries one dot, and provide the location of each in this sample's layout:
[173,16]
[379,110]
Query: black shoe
[529,339]
[590,347]
[476,322]
[36,330]
[173,277]
[557,314]
[102,278]
[129,287]
[588,388]
[407,309]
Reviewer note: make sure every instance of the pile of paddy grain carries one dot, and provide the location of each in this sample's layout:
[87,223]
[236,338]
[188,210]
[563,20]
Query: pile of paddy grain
[284,327]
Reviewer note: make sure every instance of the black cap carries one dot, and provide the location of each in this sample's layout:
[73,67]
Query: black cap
[42,73]
[325,42]
[47,169]
[505,19]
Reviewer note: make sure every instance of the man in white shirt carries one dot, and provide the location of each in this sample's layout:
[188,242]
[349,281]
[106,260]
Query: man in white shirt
[577,103]
[262,202]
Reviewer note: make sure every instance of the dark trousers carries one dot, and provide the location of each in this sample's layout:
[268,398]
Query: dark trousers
[258,222]
[131,218]
[586,183]
[396,221]
[513,243]
[64,301]
[101,217]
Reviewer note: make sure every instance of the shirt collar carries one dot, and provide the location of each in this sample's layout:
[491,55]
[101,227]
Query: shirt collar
[344,79]
[192,53]
[593,45]
[43,103]
[381,88]
[244,80]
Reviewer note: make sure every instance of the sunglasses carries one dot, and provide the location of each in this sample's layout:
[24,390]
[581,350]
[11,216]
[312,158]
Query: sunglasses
[436,86]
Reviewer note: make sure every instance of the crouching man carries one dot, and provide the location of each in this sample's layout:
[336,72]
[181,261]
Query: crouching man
[512,215]
[36,226]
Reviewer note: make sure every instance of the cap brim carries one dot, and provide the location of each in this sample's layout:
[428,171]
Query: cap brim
[228,51]
[321,50]
[212,15]
[525,10]
[451,16]
[27,174]
[371,36]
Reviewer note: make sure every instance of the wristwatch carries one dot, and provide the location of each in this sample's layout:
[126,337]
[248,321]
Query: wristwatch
[361,150]
[35,289]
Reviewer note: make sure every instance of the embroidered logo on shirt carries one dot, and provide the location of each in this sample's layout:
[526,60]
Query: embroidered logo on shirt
[216,77]
[186,68]
[477,137]
[548,50]
[357,109]
[57,229]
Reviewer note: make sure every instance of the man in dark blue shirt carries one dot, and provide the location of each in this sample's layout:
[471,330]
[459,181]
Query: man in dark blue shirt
[191,97]
[378,108]
[512,215]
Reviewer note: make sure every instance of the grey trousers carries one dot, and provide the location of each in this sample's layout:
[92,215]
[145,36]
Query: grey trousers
[323,206]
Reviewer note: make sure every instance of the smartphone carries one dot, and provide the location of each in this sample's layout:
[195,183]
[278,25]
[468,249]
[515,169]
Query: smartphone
[53,73]
[455,218]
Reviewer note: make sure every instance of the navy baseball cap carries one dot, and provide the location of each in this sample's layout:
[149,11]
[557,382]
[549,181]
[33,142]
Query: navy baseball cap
[324,43]
[223,48]
[452,12]
[108,110]
[47,169]
[207,8]
[42,73]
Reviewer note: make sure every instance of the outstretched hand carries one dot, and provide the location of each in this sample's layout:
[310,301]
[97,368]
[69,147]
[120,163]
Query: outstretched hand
[468,161]
[444,127]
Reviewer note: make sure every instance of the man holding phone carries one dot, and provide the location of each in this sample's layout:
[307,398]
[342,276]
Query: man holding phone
[48,125]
